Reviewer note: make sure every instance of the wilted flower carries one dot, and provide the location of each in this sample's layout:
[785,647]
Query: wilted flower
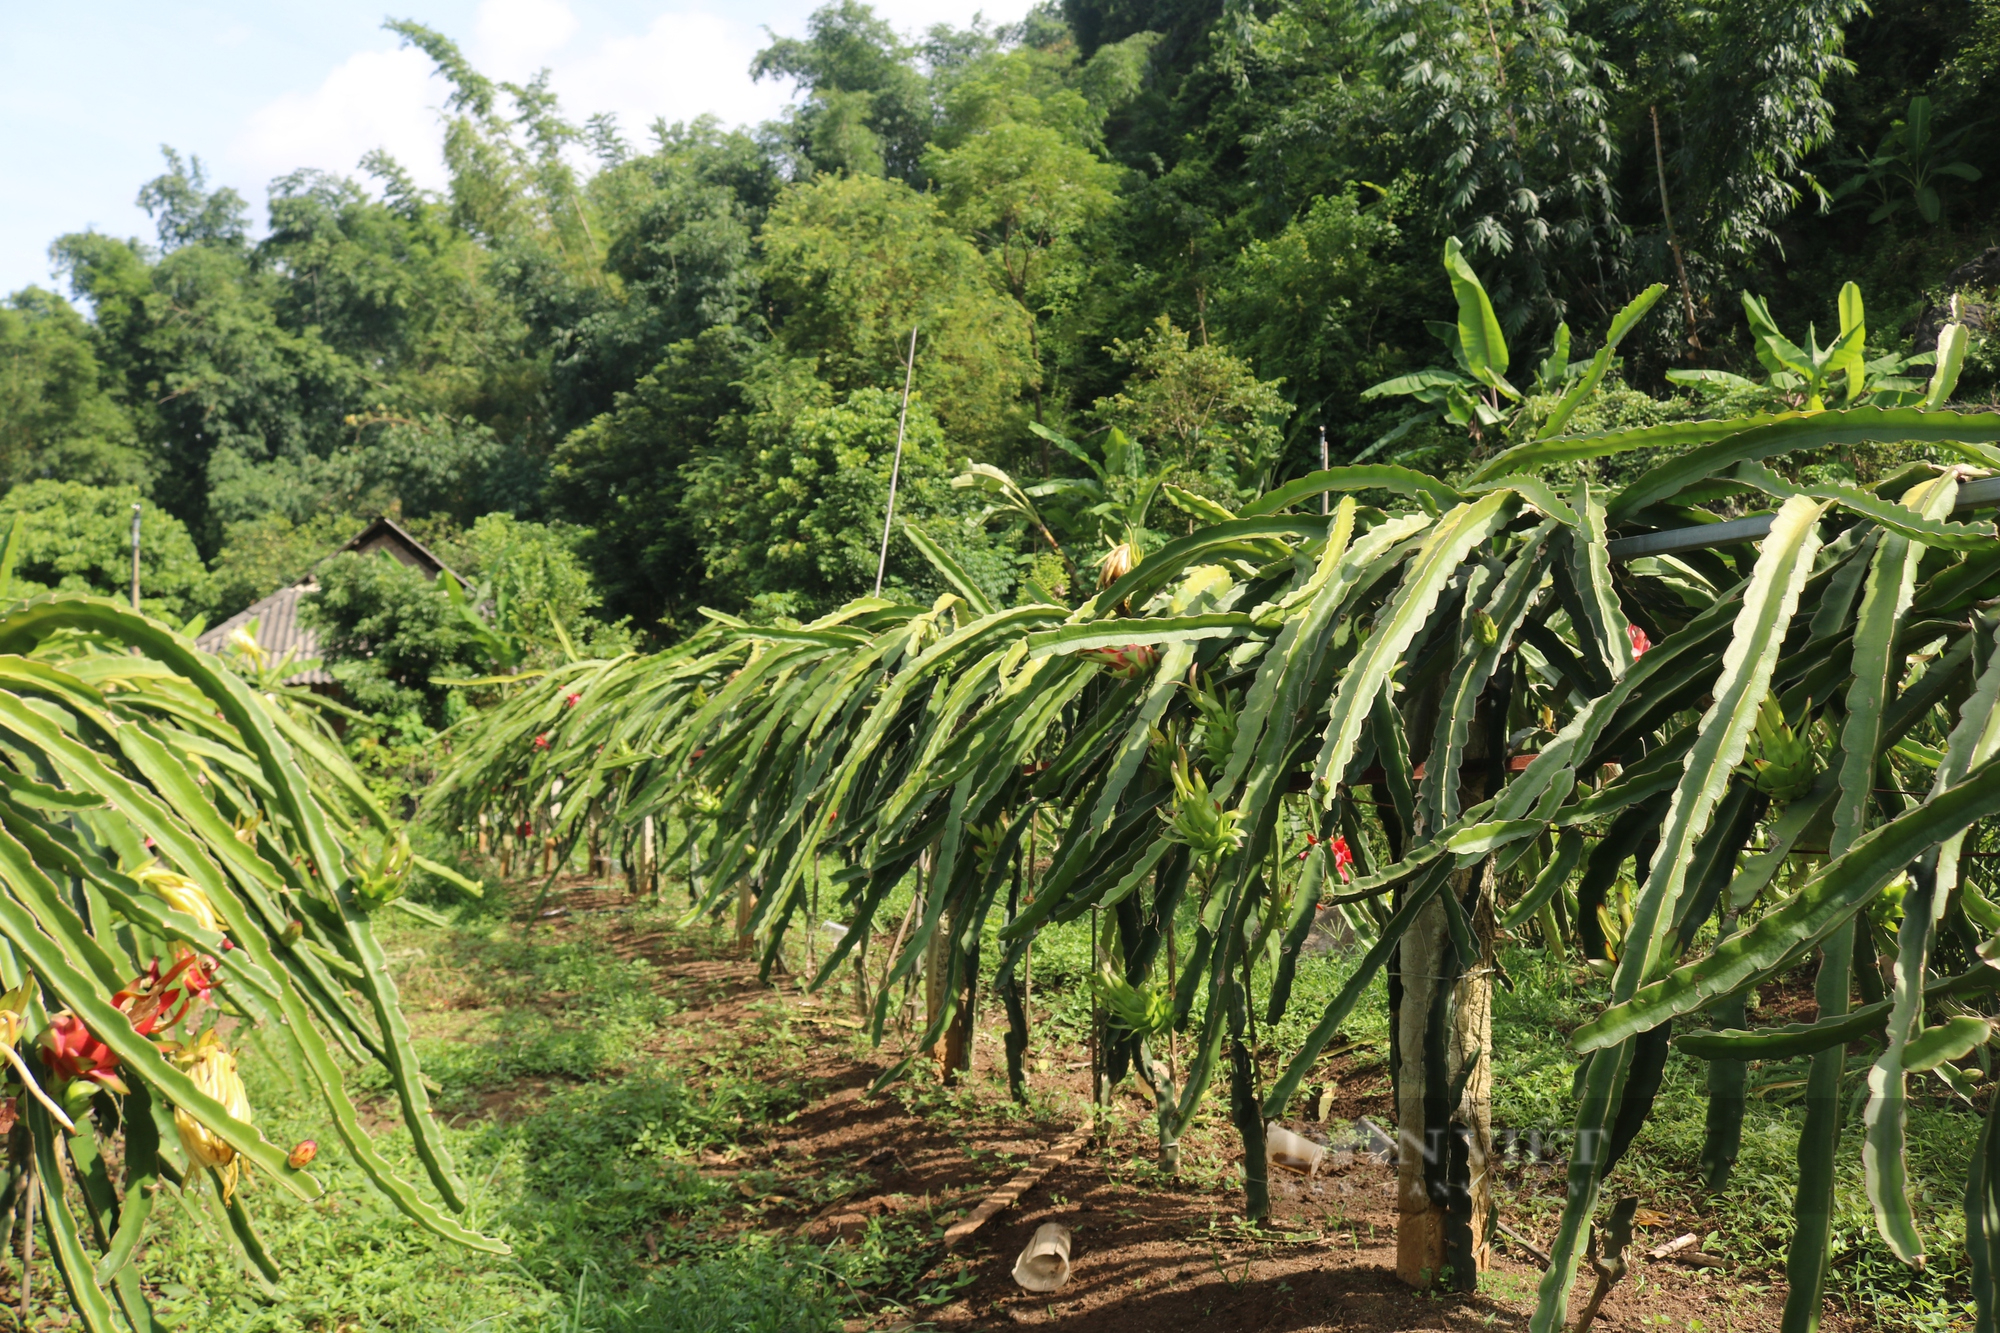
[1119,561]
[73,1054]
[527,829]
[14,1011]
[157,1002]
[213,1070]
[13,1015]
[1640,643]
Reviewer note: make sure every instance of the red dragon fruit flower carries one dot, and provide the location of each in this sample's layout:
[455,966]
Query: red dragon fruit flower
[569,700]
[542,741]
[1640,643]
[1337,848]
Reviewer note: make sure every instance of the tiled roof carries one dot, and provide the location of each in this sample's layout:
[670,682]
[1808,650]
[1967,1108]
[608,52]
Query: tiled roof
[279,630]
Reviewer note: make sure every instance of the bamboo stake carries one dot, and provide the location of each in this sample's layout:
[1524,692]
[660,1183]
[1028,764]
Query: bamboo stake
[28,1231]
[896,468]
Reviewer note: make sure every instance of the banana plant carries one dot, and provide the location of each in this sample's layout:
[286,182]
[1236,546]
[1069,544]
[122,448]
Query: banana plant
[1451,718]
[1908,167]
[1476,396]
[1804,376]
[178,846]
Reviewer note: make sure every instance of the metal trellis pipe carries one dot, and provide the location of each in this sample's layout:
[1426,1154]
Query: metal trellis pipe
[1972,495]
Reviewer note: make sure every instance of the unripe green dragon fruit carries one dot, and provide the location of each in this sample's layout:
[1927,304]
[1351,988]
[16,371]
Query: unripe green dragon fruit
[1140,1010]
[1198,819]
[1780,762]
[1218,724]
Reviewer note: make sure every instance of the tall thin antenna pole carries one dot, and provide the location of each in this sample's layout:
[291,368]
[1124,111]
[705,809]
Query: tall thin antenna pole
[135,557]
[896,468]
[1325,502]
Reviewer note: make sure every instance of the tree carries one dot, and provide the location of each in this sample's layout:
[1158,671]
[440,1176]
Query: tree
[57,416]
[534,588]
[868,111]
[262,555]
[1309,306]
[792,526]
[625,478]
[78,538]
[1511,109]
[680,247]
[387,631]
[1198,408]
[1014,165]
[853,264]
[240,410]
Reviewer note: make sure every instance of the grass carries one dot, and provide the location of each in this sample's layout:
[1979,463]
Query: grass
[579,1132]
[581,1117]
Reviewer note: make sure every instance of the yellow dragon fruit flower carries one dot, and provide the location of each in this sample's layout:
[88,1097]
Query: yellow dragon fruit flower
[180,893]
[213,1068]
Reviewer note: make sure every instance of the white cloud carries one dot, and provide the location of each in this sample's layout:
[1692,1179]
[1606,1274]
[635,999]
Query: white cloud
[684,65]
[375,99]
[686,62]
[512,39]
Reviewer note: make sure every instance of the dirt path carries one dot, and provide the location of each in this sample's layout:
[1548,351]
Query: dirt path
[1147,1254]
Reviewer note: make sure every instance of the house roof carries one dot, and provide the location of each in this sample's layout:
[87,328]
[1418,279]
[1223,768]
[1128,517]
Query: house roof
[279,628]
[385,534]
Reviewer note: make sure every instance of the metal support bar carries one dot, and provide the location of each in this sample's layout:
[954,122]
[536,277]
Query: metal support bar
[1972,495]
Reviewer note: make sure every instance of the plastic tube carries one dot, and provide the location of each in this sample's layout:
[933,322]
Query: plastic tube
[1294,1152]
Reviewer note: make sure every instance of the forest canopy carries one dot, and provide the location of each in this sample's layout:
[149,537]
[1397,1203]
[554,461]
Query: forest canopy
[1189,240]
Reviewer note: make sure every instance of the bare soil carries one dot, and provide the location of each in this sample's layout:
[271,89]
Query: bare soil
[1148,1254]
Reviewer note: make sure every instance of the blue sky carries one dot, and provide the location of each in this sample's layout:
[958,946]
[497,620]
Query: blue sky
[88,95]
